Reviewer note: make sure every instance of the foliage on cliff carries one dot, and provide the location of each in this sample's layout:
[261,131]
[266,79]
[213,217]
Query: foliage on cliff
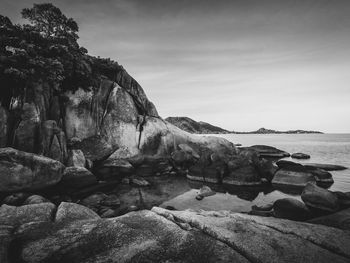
[45,50]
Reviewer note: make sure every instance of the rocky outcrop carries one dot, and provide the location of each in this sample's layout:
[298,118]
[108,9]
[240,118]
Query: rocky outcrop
[76,178]
[185,236]
[27,171]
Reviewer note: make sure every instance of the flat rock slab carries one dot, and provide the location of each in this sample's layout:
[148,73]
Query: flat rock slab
[327,167]
[162,235]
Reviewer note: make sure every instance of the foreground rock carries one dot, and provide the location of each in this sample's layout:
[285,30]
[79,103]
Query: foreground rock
[15,216]
[319,198]
[183,236]
[27,171]
[340,220]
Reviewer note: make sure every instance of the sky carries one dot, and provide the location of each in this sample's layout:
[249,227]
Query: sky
[237,64]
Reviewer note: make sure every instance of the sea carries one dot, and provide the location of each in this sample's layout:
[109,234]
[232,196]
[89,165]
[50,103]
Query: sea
[323,148]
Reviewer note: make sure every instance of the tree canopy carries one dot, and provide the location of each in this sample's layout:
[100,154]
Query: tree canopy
[45,50]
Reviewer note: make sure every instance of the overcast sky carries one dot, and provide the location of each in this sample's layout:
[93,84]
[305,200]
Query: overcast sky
[239,64]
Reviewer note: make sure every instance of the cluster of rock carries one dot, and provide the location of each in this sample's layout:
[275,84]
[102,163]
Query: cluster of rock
[318,206]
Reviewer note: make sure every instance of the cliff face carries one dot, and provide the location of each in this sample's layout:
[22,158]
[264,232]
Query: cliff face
[193,126]
[115,115]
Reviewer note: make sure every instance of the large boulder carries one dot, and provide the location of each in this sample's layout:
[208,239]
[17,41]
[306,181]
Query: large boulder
[290,208]
[339,219]
[266,239]
[136,237]
[321,176]
[77,177]
[319,198]
[102,120]
[113,169]
[71,212]
[293,177]
[18,215]
[183,236]
[27,171]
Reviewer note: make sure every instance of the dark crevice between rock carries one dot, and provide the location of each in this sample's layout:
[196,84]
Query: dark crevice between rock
[106,104]
[181,224]
[140,125]
[330,249]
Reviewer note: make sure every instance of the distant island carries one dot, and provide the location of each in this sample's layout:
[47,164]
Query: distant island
[200,127]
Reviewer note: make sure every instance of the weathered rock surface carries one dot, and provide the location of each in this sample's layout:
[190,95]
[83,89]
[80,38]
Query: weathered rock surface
[27,171]
[77,177]
[300,156]
[319,198]
[76,158]
[339,219]
[182,236]
[290,208]
[67,212]
[294,176]
[15,216]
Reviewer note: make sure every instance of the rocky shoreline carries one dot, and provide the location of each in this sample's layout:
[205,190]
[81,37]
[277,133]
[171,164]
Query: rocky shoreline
[85,161]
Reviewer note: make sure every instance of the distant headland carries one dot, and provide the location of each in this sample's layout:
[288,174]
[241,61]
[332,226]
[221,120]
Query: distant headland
[200,127]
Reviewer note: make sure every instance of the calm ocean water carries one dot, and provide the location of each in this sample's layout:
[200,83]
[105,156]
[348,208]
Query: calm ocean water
[323,148]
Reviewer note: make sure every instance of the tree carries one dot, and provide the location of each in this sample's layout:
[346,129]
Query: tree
[50,22]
